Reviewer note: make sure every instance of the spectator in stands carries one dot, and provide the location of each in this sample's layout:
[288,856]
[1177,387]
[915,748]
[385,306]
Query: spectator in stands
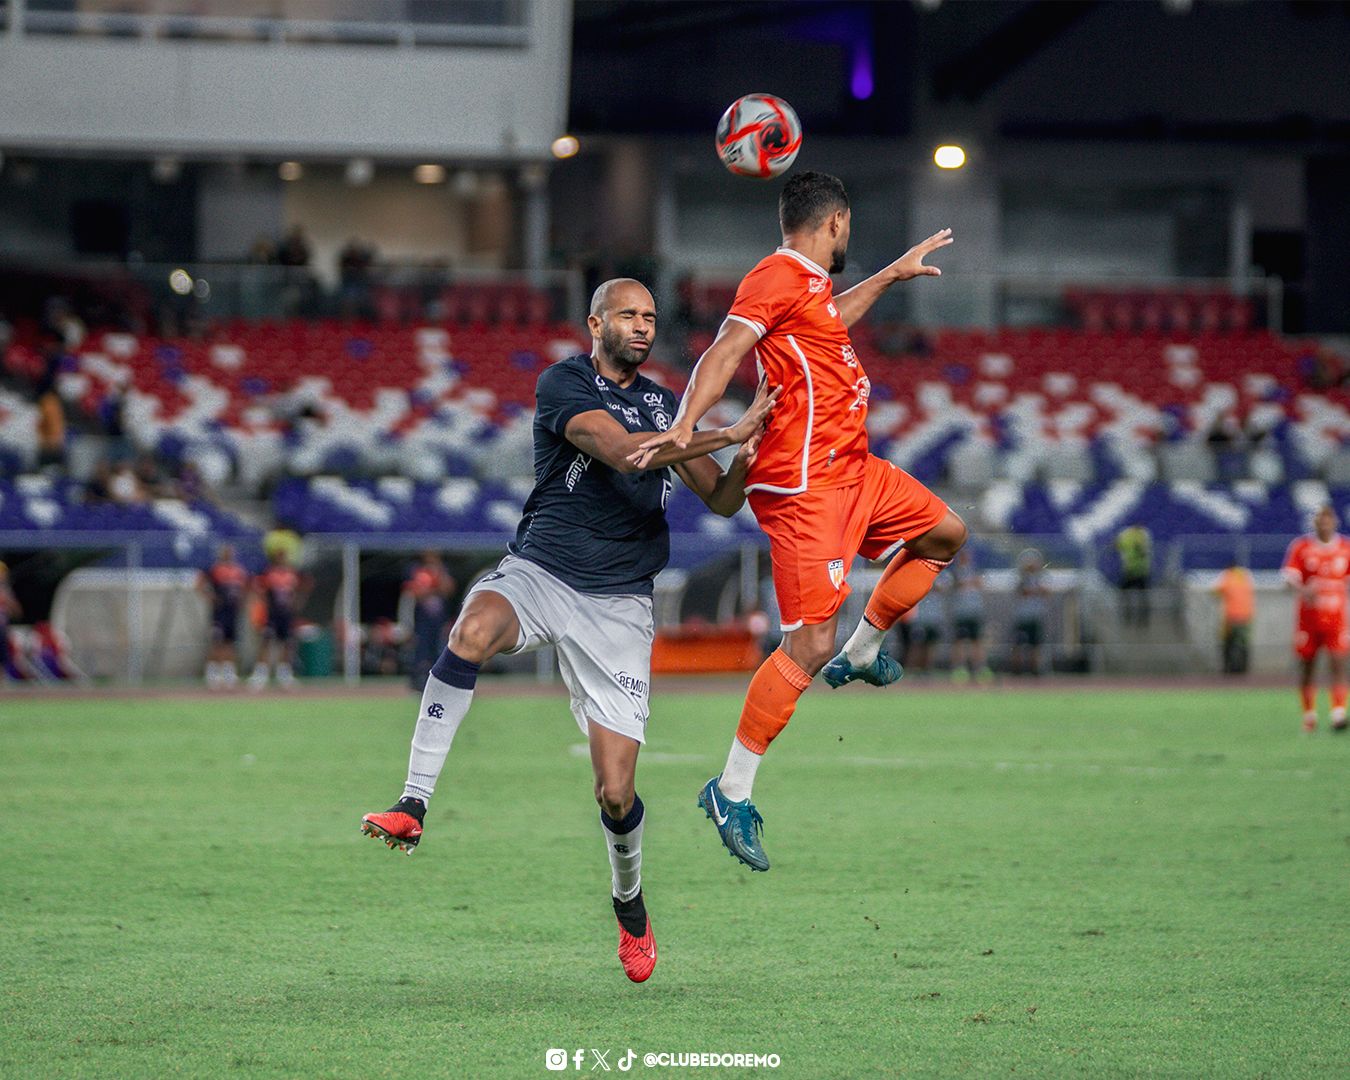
[1134,545]
[356,261]
[294,249]
[282,591]
[152,479]
[124,487]
[1235,590]
[968,657]
[224,586]
[9,609]
[51,418]
[430,587]
[1029,613]
[263,252]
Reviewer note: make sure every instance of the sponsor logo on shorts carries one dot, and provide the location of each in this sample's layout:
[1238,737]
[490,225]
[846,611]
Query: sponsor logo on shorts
[836,569]
[636,687]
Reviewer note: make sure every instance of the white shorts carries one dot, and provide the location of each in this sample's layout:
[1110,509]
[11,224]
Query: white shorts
[604,643]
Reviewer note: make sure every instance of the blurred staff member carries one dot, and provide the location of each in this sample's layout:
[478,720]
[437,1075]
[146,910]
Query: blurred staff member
[281,590]
[224,585]
[1029,613]
[51,416]
[9,609]
[1134,544]
[968,657]
[430,586]
[921,629]
[1238,595]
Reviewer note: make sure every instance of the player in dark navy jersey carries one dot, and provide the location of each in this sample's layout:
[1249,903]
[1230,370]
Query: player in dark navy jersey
[579,577]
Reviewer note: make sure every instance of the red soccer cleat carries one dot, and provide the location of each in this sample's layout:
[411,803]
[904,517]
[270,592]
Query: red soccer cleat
[400,827]
[637,954]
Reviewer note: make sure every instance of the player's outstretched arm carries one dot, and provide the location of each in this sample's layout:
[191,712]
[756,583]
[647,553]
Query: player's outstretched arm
[707,383]
[598,434]
[855,303]
[722,492]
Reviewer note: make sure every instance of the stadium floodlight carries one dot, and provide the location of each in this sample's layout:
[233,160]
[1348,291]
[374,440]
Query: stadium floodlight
[949,156]
[565,146]
[360,172]
[180,281]
[429,174]
[290,170]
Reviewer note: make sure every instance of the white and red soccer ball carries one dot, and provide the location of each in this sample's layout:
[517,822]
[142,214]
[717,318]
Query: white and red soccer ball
[759,136]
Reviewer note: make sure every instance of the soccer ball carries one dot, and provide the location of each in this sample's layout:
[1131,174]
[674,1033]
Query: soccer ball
[759,135]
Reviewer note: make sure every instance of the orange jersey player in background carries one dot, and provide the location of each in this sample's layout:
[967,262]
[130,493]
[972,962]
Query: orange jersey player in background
[1318,566]
[816,490]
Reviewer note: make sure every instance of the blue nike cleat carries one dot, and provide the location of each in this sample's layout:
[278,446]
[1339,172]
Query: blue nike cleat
[883,671]
[738,823]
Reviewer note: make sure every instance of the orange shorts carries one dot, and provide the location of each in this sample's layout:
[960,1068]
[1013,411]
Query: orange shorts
[814,536]
[1317,631]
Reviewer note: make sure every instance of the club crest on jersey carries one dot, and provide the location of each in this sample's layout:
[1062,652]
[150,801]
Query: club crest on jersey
[817,284]
[661,420]
[836,569]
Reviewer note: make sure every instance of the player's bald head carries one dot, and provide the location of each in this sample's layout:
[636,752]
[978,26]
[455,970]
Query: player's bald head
[620,292]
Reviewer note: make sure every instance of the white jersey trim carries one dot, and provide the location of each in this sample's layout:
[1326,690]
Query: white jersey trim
[787,628]
[758,328]
[810,426]
[814,267]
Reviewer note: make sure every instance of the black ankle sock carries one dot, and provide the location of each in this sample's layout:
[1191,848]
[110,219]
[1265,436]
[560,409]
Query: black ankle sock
[412,806]
[632,914]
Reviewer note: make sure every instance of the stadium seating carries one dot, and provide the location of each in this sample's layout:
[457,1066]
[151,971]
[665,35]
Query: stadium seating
[409,429]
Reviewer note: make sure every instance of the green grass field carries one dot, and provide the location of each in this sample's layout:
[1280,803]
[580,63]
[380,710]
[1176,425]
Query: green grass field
[1092,883]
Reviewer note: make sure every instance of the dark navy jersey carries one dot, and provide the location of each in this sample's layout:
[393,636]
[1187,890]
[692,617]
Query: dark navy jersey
[599,530]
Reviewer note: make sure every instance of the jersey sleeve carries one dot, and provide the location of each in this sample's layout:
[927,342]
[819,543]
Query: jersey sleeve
[562,393]
[765,295]
[1290,568]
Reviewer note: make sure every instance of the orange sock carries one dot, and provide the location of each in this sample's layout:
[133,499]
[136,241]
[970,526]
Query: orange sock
[770,701]
[905,582]
[1309,695]
[1338,695]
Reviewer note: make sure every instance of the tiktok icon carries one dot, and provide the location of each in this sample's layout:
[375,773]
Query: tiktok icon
[626,1062]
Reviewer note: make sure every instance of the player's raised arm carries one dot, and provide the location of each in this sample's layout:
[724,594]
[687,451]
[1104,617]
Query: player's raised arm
[722,492]
[707,383]
[855,303]
[598,434]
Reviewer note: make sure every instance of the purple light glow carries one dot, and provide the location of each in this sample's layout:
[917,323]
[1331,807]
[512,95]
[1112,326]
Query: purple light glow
[860,83]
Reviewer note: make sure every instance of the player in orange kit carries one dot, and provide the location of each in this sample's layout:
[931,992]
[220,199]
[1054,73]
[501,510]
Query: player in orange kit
[815,489]
[1318,566]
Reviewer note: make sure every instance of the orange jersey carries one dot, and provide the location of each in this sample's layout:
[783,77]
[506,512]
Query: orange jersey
[1236,589]
[817,436]
[1323,570]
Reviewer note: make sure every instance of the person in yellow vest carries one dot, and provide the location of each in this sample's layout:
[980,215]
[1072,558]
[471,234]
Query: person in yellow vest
[1134,545]
[1237,593]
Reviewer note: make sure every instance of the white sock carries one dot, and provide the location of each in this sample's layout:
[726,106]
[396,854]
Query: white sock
[862,648]
[738,778]
[444,706]
[284,673]
[1337,715]
[624,840]
[212,673]
[229,674]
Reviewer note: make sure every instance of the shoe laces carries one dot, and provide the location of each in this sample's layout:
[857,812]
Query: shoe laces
[748,822]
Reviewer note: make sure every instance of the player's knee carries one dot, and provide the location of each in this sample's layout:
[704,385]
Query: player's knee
[614,795]
[942,541]
[473,637]
[809,650]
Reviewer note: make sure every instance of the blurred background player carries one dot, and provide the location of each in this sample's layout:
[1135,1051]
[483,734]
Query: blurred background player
[10,609]
[281,588]
[1237,593]
[579,577]
[1316,567]
[430,586]
[968,656]
[1029,611]
[224,584]
[815,490]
